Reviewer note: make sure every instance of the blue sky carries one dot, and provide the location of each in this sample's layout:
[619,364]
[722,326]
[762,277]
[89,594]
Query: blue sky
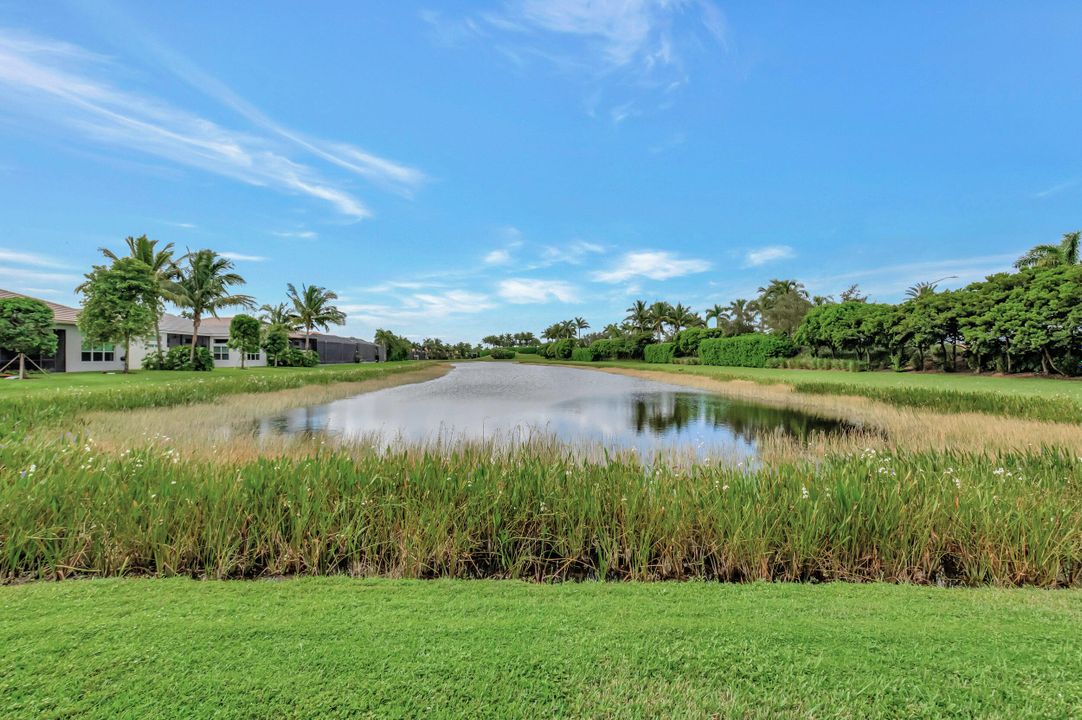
[456,169]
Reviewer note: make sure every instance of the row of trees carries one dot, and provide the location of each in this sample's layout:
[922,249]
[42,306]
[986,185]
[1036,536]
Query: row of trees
[126,298]
[1026,320]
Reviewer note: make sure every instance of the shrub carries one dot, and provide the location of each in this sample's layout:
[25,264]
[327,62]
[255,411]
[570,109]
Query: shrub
[751,350]
[178,358]
[529,350]
[659,352]
[585,354]
[502,354]
[561,349]
[295,357]
[687,341]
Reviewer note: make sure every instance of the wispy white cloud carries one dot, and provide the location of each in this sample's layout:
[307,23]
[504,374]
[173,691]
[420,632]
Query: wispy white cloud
[1055,189]
[298,234]
[60,83]
[893,279]
[635,46]
[20,277]
[573,253]
[651,264]
[241,257]
[522,291]
[500,256]
[618,33]
[768,254]
[420,307]
[33,259]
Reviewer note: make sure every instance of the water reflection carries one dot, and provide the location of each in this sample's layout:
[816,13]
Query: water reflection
[512,403]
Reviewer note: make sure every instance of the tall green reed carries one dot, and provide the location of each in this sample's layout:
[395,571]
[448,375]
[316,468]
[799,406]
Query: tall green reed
[538,513]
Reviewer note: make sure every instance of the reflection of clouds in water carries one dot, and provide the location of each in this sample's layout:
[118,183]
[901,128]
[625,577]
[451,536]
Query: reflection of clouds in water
[512,403]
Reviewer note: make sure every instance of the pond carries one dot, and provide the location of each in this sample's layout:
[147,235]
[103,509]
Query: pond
[508,402]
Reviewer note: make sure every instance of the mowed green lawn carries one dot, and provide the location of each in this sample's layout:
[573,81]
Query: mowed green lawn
[336,648]
[959,382]
[53,382]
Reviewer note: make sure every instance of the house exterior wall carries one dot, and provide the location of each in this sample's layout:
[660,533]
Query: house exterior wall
[73,353]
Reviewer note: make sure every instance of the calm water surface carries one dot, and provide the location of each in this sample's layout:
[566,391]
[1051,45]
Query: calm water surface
[512,403]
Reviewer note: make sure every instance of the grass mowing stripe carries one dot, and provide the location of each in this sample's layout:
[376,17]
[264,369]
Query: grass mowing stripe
[335,647]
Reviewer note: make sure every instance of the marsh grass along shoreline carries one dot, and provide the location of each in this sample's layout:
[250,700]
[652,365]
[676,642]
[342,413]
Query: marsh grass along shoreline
[944,509]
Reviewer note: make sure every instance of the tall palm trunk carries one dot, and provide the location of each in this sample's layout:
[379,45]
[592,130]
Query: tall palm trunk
[307,337]
[195,336]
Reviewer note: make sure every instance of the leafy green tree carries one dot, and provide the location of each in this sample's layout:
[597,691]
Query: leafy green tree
[852,294]
[1052,324]
[785,311]
[202,286]
[26,328]
[119,303]
[162,265]
[397,348]
[313,309]
[275,342]
[1047,256]
[244,336]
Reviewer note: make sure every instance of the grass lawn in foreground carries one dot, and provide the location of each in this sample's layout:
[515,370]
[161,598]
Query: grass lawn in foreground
[336,647]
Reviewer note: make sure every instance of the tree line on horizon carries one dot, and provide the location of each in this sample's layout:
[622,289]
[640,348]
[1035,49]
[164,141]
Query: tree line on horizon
[1027,320]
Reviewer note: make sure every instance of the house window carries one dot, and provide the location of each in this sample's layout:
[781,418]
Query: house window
[98,353]
[253,356]
[220,350]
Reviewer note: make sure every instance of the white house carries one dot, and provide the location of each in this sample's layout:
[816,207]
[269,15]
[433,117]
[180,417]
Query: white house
[71,354]
[74,356]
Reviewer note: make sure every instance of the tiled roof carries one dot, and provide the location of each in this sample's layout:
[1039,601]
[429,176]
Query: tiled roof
[61,313]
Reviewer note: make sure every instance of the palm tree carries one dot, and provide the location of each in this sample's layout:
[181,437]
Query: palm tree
[202,286]
[312,308]
[742,314]
[921,289]
[681,317]
[580,324]
[279,314]
[770,293]
[1042,256]
[161,264]
[718,314]
[639,316]
[659,317]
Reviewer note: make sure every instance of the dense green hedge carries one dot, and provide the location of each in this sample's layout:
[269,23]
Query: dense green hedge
[502,354]
[585,354]
[660,352]
[752,350]
[622,348]
[687,341]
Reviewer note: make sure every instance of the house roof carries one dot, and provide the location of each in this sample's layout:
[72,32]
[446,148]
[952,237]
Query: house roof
[62,314]
[208,326]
